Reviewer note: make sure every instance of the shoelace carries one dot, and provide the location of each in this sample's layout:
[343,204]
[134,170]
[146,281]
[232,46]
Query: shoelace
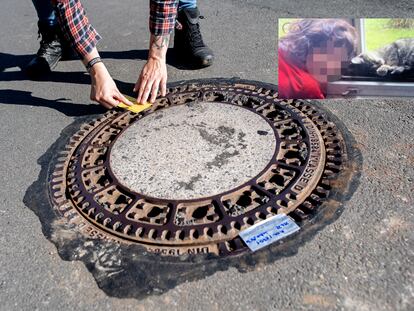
[195,34]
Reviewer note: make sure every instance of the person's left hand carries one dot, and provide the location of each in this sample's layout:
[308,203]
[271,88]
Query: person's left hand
[153,77]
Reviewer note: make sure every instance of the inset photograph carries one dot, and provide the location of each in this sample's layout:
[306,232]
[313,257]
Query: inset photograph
[331,58]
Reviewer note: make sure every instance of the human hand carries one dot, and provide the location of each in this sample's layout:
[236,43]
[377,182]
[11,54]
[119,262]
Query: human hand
[153,77]
[103,88]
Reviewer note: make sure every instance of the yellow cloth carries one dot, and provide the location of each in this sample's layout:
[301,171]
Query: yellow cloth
[136,108]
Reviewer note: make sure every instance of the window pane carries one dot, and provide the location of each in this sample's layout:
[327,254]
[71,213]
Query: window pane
[282,22]
[382,31]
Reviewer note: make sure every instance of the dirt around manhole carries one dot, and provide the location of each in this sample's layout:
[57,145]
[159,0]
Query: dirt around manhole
[120,233]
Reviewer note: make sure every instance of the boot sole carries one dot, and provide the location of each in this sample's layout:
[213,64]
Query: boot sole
[54,64]
[189,61]
[206,62]
[35,72]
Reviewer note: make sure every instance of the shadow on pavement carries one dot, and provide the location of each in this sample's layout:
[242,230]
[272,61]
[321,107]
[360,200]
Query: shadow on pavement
[11,61]
[128,270]
[172,59]
[72,77]
[63,105]
[20,61]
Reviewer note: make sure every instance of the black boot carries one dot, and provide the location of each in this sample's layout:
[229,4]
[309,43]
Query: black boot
[49,53]
[188,42]
[67,52]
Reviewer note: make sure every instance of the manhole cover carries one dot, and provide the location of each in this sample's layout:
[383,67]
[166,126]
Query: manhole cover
[205,162]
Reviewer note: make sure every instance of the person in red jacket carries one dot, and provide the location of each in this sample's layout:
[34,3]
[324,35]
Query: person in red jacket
[313,53]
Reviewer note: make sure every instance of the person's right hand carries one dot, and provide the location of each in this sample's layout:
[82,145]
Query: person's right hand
[103,88]
[153,77]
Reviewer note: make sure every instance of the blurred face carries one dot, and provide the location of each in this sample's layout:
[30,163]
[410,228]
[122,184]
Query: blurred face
[325,63]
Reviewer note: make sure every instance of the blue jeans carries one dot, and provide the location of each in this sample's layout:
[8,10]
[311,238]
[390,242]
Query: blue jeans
[46,14]
[187,4]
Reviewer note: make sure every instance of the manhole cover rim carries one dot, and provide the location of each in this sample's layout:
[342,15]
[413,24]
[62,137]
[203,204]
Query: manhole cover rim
[107,118]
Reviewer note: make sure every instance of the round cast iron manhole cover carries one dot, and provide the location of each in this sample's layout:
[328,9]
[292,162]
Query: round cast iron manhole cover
[210,159]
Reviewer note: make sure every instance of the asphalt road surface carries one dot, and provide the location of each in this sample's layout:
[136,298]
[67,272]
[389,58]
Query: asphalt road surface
[363,261]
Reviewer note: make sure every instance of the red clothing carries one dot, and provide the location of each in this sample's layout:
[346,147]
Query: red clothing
[75,26]
[295,83]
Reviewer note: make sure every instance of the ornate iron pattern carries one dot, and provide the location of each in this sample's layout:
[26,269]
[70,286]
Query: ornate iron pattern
[308,156]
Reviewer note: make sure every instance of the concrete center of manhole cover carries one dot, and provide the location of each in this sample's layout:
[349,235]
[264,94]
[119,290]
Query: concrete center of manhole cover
[194,150]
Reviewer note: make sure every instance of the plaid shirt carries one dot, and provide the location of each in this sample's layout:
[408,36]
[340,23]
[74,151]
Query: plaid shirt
[162,16]
[83,37]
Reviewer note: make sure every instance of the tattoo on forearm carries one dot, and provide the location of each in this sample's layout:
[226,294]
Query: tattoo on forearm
[160,42]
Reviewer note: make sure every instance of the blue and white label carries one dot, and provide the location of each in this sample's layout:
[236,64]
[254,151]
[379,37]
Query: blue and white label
[268,231]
